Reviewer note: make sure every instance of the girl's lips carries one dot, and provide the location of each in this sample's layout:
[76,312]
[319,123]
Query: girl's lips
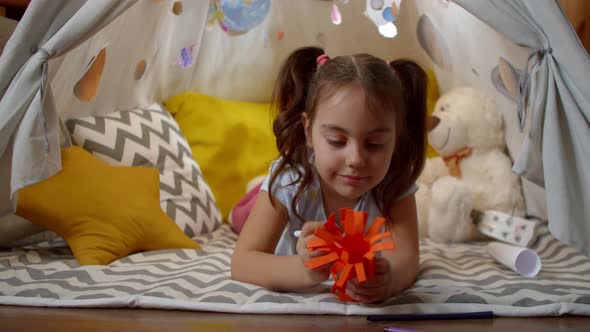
[354,177]
[353,180]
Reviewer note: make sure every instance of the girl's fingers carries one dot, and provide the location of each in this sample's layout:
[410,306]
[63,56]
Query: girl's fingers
[316,253]
[379,281]
[373,284]
[367,294]
[365,291]
[381,265]
[309,227]
[364,298]
[379,284]
[306,233]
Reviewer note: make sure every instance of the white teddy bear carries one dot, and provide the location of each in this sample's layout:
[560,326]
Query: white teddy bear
[474,172]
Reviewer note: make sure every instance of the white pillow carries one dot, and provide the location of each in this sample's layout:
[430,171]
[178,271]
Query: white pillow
[152,138]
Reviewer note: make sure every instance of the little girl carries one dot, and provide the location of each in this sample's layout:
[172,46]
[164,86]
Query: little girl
[351,132]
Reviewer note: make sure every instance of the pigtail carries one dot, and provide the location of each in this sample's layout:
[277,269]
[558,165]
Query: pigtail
[410,152]
[289,100]
[414,87]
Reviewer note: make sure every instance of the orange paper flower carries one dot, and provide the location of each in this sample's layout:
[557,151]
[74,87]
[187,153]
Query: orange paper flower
[351,253]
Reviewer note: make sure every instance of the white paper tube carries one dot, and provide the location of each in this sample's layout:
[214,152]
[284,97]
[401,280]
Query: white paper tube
[521,260]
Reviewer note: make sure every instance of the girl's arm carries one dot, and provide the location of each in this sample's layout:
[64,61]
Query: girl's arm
[253,260]
[396,270]
[404,261]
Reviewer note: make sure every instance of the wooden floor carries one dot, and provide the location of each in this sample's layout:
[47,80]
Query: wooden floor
[141,320]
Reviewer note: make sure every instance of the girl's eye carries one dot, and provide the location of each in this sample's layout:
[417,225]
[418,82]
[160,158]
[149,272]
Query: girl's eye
[375,146]
[336,143]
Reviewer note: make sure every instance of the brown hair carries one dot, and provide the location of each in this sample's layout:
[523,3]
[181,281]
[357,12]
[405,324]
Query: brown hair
[399,86]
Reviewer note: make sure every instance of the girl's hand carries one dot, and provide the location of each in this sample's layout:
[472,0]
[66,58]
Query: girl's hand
[376,290]
[318,275]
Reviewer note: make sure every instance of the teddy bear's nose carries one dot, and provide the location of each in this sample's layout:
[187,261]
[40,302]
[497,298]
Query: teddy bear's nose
[432,122]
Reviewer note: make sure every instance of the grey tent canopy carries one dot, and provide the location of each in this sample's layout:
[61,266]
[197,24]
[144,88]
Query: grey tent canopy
[554,89]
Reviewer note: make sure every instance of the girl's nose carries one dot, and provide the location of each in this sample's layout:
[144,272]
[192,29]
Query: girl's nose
[356,157]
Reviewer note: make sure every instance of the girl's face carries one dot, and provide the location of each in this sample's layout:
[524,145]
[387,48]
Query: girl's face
[352,145]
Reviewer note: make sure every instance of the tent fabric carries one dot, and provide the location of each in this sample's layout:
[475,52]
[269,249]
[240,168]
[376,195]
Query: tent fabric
[227,64]
[64,51]
[65,34]
[27,122]
[556,154]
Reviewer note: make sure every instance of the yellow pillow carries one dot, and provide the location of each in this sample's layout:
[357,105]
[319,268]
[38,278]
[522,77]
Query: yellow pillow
[103,212]
[231,140]
[431,98]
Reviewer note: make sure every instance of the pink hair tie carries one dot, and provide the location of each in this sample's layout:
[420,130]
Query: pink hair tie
[322,59]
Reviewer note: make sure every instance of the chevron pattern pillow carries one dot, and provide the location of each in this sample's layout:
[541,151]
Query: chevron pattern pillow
[151,138]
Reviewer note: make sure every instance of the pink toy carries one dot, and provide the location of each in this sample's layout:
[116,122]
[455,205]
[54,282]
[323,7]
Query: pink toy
[241,211]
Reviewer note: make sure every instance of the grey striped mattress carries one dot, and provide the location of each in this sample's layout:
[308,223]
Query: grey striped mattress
[453,278]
